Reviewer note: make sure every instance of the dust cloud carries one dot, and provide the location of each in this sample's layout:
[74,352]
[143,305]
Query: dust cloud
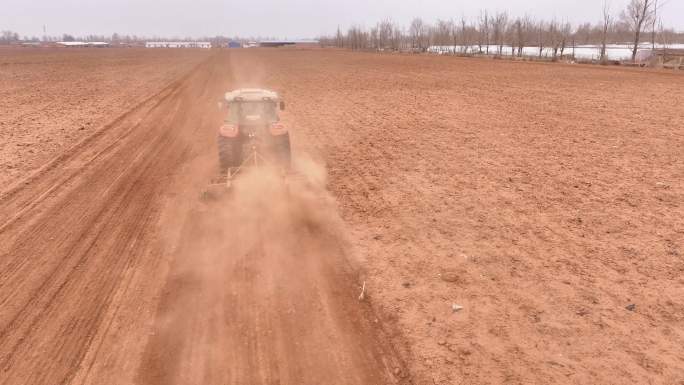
[263,286]
[263,289]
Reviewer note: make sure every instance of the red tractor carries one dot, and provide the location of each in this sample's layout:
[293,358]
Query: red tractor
[251,134]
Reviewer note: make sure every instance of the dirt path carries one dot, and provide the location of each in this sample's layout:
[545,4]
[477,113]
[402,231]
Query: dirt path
[83,268]
[260,293]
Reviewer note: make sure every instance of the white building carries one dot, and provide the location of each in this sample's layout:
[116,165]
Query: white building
[178,44]
[82,44]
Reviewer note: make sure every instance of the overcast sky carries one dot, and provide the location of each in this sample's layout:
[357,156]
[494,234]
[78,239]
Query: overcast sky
[281,19]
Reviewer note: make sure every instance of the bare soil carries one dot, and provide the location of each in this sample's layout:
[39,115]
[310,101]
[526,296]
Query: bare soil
[51,99]
[544,199]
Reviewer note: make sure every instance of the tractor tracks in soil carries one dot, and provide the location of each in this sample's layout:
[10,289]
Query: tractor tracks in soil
[265,295]
[20,197]
[84,264]
[66,258]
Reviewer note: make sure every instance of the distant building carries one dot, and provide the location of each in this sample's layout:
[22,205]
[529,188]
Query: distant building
[97,44]
[178,44]
[234,44]
[283,43]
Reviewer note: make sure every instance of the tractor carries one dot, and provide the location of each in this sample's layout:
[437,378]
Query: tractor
[251,135]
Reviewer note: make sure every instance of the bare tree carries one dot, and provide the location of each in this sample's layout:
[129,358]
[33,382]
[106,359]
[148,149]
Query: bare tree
[397,38]
[500,25]
[385,32]
[666,38]
[606,24]
[465,35]
[418,32]
[584,33]
[374,40]
[565,32]
[574,43]
[653,24]
[554,38]
[511,36]
[454,35]
[540,37]
[636,16]
[484,31]
[339,39]
[521,26]
[442,33]
[357,38]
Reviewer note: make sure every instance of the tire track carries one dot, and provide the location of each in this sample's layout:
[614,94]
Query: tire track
[113,199]
[27,193]
[264,294]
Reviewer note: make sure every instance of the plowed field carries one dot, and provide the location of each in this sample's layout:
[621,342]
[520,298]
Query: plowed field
[543,199]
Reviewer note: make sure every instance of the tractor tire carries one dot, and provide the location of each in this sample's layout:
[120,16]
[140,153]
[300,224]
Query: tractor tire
[230,153]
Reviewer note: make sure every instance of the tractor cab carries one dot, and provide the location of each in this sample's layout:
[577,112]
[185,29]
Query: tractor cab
[253,107]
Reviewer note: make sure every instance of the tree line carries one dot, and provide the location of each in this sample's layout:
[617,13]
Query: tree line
[493,32]
[10,37]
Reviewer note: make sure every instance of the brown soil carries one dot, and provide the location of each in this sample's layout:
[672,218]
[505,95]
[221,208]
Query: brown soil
[51,99]
[544,199]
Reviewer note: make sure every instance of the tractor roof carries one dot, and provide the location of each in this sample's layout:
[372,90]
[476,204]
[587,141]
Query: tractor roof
[251,95]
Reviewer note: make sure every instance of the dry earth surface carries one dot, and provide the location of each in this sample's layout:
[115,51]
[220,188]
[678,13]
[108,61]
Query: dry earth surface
[52,99]
[545,199]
